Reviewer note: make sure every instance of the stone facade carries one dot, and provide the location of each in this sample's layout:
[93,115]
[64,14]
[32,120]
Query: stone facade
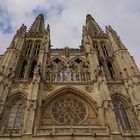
[90,92]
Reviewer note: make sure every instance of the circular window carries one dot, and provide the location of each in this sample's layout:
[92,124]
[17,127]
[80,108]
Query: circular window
[68,109]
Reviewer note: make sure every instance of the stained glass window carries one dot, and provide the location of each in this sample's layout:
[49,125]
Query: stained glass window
[15,115]
[121,114]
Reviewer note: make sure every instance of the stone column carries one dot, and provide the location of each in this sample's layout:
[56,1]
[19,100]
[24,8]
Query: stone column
[31,104]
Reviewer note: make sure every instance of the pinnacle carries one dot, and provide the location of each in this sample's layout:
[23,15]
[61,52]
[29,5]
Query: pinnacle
[38,25]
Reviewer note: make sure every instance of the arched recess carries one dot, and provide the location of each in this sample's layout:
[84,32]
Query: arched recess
[22,69]
[79,69]
[68,107]
[12,117]
[32,69]
[122,110]
[56,70]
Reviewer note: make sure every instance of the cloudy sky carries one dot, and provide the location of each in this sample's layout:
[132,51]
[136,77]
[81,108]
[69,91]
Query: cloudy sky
[66,18]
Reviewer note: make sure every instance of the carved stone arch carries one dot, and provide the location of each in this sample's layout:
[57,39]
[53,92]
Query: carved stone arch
[123,97]
[73,89]
[59,57]
[16,93]
[77,108]
[77,57]
[56,69]
[13,115]
[123,111]
[79,69]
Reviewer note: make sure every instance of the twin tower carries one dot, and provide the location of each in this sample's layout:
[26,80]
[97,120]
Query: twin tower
[90,93]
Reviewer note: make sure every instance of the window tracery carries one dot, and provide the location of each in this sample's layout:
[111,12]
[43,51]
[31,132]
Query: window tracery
[28,48]
[121,114]
[59,71]
[14,118]
[105,51]
[37,48]
[79,70]
[68,110]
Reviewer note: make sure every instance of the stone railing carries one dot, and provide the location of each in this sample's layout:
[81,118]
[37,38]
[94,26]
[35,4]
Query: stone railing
[74,130]
[7,132]
[131,132]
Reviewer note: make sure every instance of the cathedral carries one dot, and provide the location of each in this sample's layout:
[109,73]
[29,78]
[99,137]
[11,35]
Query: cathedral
[86,93]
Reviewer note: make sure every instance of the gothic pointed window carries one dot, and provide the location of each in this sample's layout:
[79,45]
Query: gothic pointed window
[28,48]
[111,71]
[22,69]
[32,69]
[101,67]
[14,118]
[37,48]
[104,49]
[121,114]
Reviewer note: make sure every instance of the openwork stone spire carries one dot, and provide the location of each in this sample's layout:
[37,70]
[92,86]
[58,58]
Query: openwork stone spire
[93,28]
[38,25]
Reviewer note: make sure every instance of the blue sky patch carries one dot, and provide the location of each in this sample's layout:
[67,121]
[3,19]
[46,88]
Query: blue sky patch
[5,24]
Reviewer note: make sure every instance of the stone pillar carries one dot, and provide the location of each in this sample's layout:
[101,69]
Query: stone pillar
[107,105]
[4,92]
[93,61]
[31,104]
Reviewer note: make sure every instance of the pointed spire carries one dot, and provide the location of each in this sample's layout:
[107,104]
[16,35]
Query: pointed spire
[109,29]
[93,28]
[38,25]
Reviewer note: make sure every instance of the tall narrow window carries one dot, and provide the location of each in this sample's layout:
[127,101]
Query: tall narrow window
[105,52]
[22,69]
[32,69]
[15,113]
[37,48]
[28,48]
[111,71]
[121,114]
[101,67]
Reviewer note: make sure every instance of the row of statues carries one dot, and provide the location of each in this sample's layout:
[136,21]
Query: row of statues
[58,71]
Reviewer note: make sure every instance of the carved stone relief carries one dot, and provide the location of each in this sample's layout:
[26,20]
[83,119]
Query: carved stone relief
[68,109]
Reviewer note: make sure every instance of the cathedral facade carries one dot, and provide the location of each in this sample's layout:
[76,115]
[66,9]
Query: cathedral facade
[89,93]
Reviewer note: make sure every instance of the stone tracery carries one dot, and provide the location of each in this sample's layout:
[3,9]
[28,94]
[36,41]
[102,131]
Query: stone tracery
[59,71]
[68,110]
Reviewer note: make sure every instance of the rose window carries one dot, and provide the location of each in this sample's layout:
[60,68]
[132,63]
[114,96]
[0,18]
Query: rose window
[69,110]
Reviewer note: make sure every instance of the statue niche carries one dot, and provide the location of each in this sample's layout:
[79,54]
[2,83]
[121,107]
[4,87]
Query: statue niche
[75,71]
[56,71]
[79,70]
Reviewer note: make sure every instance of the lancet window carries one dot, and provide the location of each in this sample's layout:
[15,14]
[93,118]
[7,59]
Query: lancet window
[14,116]
[111,70]
[96,48]
[121,114]
[32,69]
[28,48]
[104,49]
[37,48]
[22,69]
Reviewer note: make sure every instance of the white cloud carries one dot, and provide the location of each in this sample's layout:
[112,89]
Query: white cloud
[66,27]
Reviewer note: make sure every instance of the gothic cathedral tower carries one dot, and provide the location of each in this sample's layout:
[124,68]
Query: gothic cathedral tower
[89,93]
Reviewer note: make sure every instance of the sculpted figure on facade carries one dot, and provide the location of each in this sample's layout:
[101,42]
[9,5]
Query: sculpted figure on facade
[90,92]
